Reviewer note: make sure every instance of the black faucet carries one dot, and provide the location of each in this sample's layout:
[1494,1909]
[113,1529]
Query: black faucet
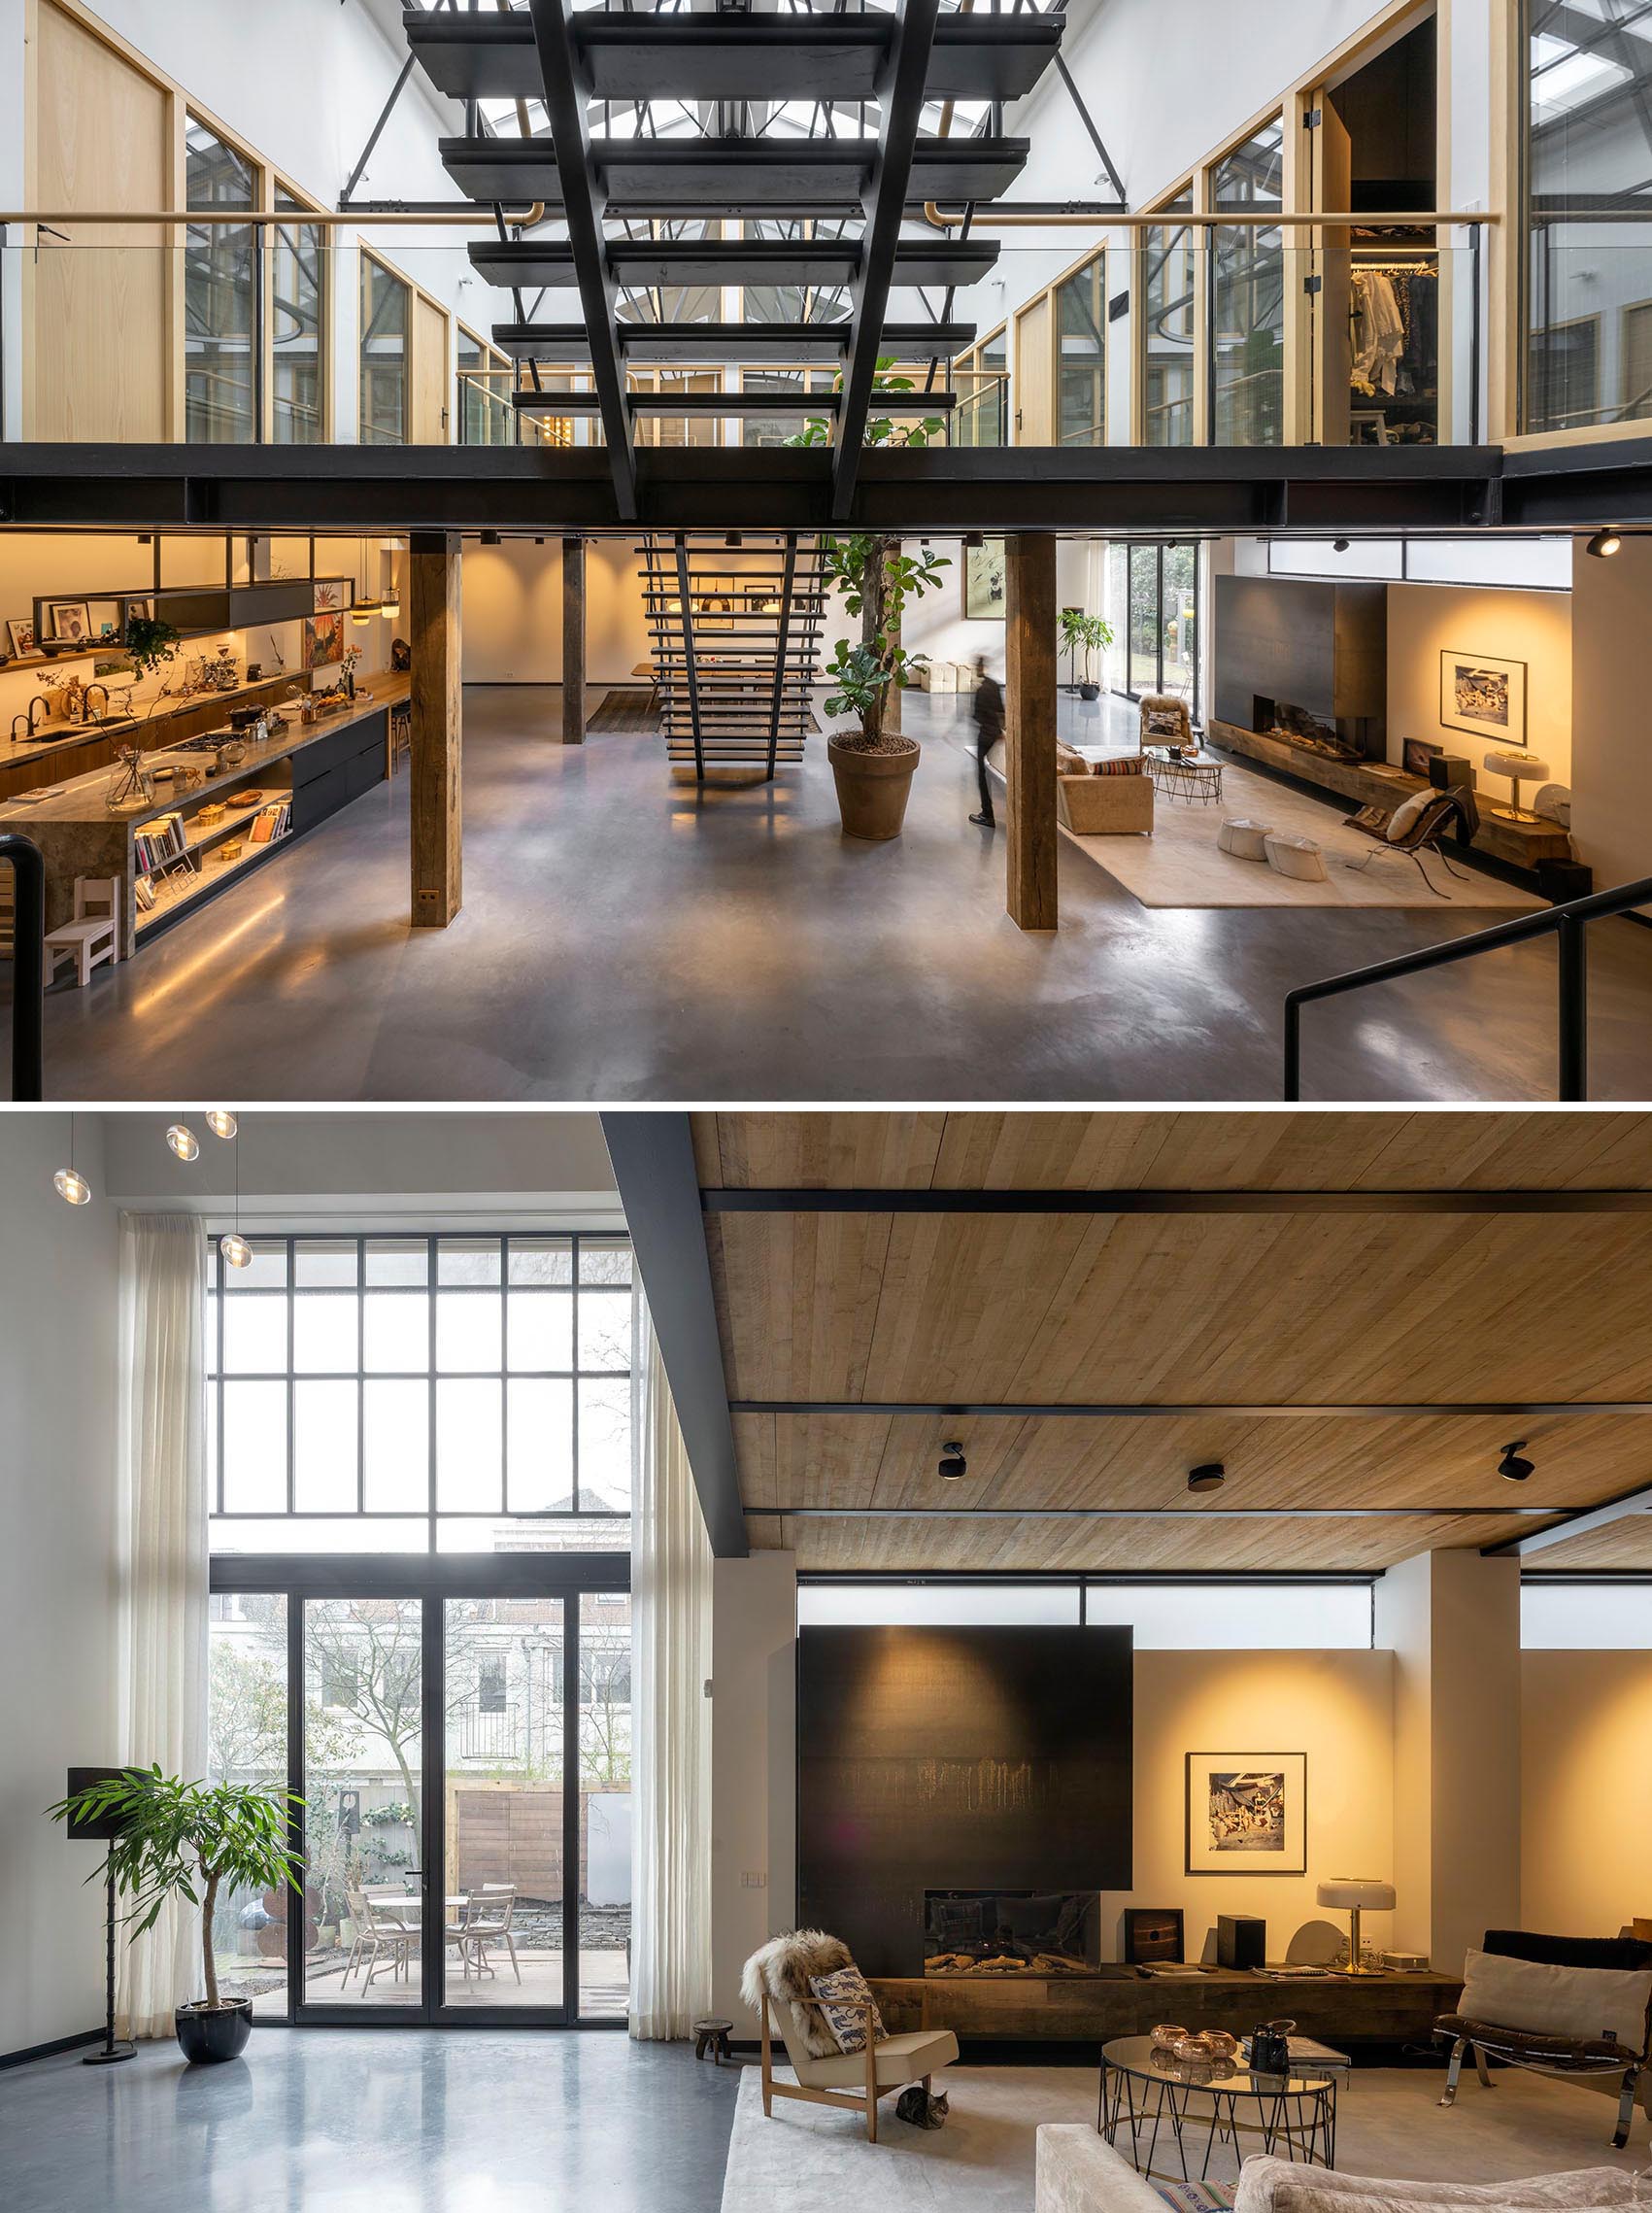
[41,702]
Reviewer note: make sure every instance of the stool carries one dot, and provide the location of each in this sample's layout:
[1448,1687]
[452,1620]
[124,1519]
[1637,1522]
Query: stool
[1298,857]
[89,939]
[1245,840]
[713,2037]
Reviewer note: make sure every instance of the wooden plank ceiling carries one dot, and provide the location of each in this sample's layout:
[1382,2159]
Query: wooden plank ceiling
[1188,1310]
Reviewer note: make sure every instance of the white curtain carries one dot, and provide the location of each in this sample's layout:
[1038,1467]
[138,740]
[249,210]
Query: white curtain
[672,1715]
[162,1649]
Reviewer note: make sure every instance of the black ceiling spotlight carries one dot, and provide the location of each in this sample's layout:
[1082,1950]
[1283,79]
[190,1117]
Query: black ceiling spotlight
[733,539]
[1210,1474]
[954,1466]
[1339,545]
[974,540]
[1604,543]
[1514,1469]
[489,537]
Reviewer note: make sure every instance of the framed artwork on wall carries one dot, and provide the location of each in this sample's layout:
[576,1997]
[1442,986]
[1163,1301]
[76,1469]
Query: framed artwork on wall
[1418,753]
[1247,1813]
[1480,693]
[328,594]
[68,619]
[1152,1932]
[324,640]
[984,587]
[20,629]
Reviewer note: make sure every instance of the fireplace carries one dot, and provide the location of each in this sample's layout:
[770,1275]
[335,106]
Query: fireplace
[1349,739]
[1011,1932]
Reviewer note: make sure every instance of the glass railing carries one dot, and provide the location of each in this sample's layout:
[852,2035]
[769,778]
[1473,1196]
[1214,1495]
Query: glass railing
[1253,335]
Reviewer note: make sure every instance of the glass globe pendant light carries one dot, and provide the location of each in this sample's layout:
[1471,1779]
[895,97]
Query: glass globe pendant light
[68,1182]
[220,1121]
[184,1141]
[237,1252]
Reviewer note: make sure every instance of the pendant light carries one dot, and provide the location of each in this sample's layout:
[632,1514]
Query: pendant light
[68,1182]
[220,1121]
[184,1141]
[237,1252]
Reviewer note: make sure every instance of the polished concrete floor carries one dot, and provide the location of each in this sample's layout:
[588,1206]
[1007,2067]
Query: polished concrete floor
[626,935]
[374,2120]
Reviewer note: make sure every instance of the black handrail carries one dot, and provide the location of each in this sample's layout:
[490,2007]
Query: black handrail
[1568,923]
[28,964]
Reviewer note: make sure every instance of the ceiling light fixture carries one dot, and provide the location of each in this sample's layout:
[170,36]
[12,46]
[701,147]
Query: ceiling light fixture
[234,1248]
[1210,1474]
[733,539]
[1511,1467]
[184,1141]
[973,540]
[68,1182]
[954,1466]
[1339,545]
[1604,543]
[489,537]
[220,1121]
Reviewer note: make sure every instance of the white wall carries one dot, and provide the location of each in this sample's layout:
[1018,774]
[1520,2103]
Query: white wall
[1425,619]
[754,1765]
[513,612]
[57,1567]
[1611,706]
[1586,1812]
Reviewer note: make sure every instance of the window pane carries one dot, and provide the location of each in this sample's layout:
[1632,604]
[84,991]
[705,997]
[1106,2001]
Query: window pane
[542,1260]
[323,1447]
[605,1329]
[1081,321]
[398,1260]
[254,1447]
[298,291]
[1248,340]
[605,1445]
[1255,1616]
[396,1447]
[1585,1617]
[323,1332]
[1168,337]
[220,296]
[468,1440]
[303,1533]
[247,1744]
[467,1260]
[396,1331]
[605,1260]
[946,1605]
[467,1330]
[540,1329]
[384,356]
[540,1442]
[266,1271]
[605,1805]
[255,1336]
[325,1262]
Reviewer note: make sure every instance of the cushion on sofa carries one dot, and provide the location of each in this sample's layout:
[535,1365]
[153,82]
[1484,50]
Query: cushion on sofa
[1196,2196]
[1118,765]
[1068,763]
[1557,2002]
[1408,811]
[1285,2186]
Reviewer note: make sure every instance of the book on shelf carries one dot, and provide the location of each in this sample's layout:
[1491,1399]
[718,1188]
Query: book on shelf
[269,824]
[159,843]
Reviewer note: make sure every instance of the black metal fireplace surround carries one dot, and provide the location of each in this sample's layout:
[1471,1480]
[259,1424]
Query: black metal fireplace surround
[936,1762]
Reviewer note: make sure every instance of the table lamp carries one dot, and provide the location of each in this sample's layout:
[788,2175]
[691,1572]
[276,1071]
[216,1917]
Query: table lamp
[1357,1893]
[103,1828]
[1520,769]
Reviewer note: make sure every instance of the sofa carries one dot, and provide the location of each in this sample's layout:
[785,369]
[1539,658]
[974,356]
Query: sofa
[1078,2172]
[1102,797]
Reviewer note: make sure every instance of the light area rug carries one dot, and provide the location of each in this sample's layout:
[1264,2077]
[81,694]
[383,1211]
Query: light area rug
[815,2159]
[1180,866]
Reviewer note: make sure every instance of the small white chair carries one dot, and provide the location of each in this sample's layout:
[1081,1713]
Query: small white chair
[93,935]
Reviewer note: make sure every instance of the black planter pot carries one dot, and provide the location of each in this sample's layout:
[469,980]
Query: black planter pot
[1090,690]
[206,2038]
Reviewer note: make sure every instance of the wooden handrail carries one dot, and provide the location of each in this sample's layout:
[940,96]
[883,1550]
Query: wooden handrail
[1187,218]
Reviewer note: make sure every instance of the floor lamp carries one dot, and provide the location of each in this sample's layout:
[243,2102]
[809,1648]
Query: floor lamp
[102,1828]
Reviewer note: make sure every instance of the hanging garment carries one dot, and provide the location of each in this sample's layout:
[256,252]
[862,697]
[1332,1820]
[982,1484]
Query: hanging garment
[1381,331]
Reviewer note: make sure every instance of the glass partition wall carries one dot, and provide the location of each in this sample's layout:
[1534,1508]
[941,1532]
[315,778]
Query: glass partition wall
[423,1446]
[1247,284]
[223,344]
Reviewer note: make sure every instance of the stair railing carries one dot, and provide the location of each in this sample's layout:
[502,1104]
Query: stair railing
[1568,924]
[28,964]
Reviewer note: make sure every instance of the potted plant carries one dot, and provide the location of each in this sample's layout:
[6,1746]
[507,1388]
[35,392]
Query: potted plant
[149,642]
[187,1840]
[1086,634]
[872,767]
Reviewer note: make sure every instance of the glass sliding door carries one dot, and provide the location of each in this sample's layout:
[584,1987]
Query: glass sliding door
[605,1805]
[246,1743]
[1159,585]
[1142,665]
[505,1815]
[363,1762]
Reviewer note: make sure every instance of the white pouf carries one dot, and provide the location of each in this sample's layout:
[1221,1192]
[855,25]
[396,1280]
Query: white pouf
[1245,840]
[1298,857]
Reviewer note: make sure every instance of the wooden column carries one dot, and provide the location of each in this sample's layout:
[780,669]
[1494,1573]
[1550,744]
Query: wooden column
[573,642]
[435,635]
[1029,729]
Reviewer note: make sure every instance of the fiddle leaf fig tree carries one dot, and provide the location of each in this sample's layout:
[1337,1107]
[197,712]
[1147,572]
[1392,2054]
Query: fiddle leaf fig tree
[188,1840]
[877,582]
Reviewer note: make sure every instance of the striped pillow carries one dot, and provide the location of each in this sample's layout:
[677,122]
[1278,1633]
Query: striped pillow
[1118,765]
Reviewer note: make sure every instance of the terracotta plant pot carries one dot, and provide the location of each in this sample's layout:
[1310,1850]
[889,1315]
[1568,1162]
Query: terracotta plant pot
[872,787]
[207,2037]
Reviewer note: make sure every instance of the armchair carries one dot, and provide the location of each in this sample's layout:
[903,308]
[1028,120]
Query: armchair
[774,1985]
[1165,720]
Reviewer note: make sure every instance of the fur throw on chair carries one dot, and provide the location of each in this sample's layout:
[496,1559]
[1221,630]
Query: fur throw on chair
[785,1967]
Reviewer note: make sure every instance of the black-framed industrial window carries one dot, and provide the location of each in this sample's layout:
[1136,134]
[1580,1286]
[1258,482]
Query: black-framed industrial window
[422,1392]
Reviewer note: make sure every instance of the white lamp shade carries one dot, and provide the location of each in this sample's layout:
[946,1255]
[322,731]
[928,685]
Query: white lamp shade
[1361,1891]
[1524,767]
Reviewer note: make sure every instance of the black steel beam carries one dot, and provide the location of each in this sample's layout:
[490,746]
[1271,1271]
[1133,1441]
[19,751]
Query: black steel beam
[1144,1513]
[652,1156]
[565,92]
[881,1200]
[900,94]
[1484,1409]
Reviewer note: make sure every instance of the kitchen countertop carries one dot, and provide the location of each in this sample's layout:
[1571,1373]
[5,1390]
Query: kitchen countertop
[83,800]
[55,736]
